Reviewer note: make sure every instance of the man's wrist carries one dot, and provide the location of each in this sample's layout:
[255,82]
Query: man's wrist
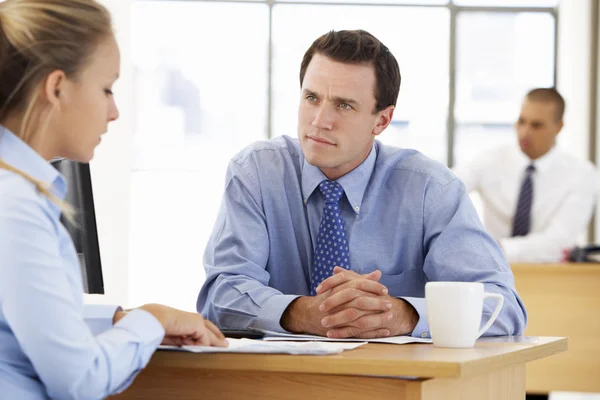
[295,318]
[406,317]
[119,314]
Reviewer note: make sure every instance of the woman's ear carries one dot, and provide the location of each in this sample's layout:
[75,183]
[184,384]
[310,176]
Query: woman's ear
[53,86]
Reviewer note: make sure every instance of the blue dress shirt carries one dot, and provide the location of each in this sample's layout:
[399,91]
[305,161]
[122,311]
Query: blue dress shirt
[47,350]
[404,214]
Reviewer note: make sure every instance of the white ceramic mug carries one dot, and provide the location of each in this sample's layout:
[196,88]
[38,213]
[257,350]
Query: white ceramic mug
[454,311]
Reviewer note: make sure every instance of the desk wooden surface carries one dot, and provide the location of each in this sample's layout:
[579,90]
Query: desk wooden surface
[563,300]
[493,369]
[559,269]
[422,360]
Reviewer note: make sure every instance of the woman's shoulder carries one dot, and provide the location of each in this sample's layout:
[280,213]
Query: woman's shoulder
[19,198]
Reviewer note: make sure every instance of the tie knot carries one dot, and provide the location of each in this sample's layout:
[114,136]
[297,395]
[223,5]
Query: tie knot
[332,191]
[530,169]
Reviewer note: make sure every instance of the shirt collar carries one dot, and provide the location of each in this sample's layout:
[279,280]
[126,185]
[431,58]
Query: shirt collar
[541,163]
[354,182]
[18,154]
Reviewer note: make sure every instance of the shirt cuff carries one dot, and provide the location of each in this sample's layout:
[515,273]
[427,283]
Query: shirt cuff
[270,314]
[422,328]
[148,333]
[144,325]
[99,317]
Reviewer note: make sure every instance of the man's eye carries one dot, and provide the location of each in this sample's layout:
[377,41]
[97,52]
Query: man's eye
[108,92]
[345,106]
[310,97]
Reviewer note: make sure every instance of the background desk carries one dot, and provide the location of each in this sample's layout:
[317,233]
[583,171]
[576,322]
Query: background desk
[563,300]
[494,369]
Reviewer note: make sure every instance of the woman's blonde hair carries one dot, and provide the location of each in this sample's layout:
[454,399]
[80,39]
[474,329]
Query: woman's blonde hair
[36,38]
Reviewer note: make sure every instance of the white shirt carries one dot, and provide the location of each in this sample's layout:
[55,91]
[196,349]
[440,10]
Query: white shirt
[564,196]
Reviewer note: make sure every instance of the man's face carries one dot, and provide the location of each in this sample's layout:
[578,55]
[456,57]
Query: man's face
[336,119]
[537,127]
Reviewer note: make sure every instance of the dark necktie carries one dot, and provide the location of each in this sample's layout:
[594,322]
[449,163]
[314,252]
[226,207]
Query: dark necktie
[332,242]
[522,219]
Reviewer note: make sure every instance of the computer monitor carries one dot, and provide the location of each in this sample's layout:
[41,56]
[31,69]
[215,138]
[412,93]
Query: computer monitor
[83,232]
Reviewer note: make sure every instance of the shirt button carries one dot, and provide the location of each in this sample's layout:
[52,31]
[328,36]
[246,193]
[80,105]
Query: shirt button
[424,334]
[356,208]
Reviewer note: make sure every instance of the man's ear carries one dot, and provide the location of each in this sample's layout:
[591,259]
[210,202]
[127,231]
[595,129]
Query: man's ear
[384,117]
[53,86]
[559,127]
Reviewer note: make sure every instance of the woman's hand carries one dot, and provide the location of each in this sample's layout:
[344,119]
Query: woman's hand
[185,328]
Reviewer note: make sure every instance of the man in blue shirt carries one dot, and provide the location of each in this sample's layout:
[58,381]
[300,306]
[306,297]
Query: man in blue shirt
[336,234]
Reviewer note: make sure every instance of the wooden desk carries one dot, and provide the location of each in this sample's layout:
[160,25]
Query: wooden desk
[563,300]
[493,369]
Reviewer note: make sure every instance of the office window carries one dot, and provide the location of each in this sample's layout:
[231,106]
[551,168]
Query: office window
[214,76]
[507,3]
[200,96]
[420,117]
[500,56]
[366,2]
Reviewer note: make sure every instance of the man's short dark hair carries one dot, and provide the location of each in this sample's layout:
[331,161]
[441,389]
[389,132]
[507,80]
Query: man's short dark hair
[360,47]
[549,95]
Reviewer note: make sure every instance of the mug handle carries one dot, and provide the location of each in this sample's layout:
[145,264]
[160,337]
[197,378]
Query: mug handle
[496,311]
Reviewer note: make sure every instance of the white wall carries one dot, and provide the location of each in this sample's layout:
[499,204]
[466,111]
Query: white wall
[111,170]
[597,227]
[574,45]
[574,81]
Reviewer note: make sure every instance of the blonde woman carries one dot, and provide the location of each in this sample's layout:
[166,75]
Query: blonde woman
[58,62]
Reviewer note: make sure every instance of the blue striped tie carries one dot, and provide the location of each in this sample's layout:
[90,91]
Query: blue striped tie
[522,220]
[332,242]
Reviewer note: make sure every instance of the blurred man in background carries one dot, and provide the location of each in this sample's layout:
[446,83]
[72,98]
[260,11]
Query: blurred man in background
[537,199]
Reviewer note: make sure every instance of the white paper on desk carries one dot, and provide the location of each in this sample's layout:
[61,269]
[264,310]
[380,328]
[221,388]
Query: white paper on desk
[276,336]
[260,346]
